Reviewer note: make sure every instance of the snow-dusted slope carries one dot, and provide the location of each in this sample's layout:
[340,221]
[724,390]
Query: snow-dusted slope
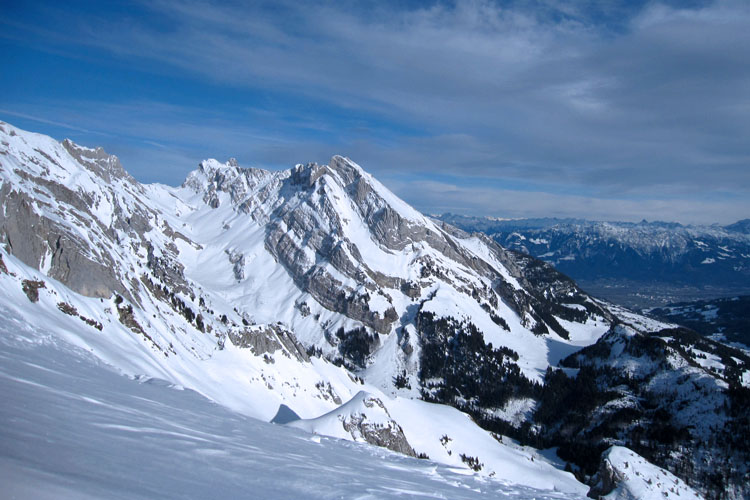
[237,378]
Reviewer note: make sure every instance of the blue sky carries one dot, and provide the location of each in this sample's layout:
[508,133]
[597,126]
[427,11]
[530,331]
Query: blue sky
[604,110]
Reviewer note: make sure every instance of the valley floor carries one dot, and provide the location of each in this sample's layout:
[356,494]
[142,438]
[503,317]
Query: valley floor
[71,427]
[639,295]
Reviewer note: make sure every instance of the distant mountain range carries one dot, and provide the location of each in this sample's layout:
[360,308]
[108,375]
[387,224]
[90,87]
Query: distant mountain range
[644,264]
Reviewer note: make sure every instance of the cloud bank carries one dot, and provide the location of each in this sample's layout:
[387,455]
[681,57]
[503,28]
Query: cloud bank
[626,111]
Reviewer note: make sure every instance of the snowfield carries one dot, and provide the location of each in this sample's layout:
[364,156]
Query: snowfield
[74,428]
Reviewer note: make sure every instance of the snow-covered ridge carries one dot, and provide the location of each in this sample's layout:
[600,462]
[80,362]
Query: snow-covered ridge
[301,288]
[204,285]
[442,434]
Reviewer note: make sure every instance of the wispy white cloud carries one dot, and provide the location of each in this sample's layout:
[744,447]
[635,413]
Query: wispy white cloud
[160,142]
[439,197]
[603,100]
[40,119]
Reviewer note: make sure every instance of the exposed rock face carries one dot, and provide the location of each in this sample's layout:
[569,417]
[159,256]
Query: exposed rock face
[127,318]
[31,289]
[77,215]
[238,264]
[63,245]
[605,480]
[548,292]
[308,234]
[363,418]
[40,242]
[389,436]
[236,182]
[104,165]
[167,269]
[267,340]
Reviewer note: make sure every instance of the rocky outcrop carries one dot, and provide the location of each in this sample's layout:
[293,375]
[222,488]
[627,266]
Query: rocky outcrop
[605,480]
[313,277]
[363,418]
[237,259]
[31,289]
[268,339]
[40,242]
[624,475]
[213,178]
[105,166]
[167,269]
[389,435]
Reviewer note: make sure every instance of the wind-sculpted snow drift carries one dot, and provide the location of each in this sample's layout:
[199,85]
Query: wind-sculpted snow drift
[318,289]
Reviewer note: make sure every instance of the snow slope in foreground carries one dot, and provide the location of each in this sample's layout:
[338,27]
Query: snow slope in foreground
[445,435]
[73,428]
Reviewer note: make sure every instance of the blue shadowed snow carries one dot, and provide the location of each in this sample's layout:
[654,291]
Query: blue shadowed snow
[73,428]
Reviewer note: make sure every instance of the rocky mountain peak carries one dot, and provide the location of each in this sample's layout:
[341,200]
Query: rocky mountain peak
[212,177]
[98,161]
[307,175]
[346,169]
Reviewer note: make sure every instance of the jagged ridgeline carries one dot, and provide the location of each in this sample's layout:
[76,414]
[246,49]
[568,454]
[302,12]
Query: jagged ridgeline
[333,282]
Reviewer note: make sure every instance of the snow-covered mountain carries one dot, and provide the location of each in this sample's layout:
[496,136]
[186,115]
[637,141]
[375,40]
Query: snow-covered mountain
[316,295]
[643,264]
